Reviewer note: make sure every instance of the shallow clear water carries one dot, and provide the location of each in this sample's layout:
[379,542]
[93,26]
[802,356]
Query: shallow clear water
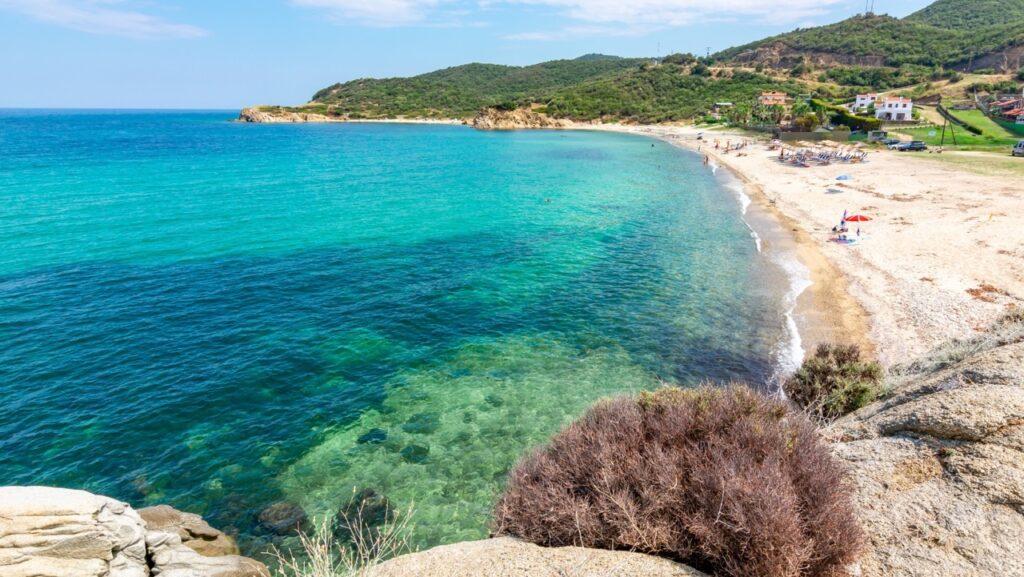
[220,316]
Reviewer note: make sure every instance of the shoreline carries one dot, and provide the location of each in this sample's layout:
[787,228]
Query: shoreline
[819,308]
[941,259]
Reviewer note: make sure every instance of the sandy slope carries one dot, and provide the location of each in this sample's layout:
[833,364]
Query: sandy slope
[943,256]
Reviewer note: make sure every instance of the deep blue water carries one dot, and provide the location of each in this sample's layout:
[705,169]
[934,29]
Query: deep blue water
[211,314]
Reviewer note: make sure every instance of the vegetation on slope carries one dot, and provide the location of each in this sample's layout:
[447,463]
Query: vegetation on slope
[972,15]
[834,381]
[660,93]
[884,40]
[463,90]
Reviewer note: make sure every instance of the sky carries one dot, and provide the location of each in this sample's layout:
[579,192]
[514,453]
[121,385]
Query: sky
[230,54]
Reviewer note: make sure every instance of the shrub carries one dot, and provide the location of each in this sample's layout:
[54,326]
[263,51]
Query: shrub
[834,381]
[725,480]
[350,545]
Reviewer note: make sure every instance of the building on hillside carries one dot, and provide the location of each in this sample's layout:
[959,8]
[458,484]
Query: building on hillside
[897,109]
[772,99]
[863,102]
[1009,109]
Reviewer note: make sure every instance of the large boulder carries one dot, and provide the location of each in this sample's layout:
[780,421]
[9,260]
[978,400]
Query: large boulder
[48,532]
[195,533]
[170,558]
[506,557]
[939,465]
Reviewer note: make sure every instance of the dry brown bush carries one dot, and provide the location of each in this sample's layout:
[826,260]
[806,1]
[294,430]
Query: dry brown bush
[724,480]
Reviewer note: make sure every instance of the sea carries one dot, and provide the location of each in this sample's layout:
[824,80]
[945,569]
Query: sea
[223,316]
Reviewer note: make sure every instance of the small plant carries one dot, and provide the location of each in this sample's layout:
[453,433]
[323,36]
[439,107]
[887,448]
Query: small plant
[725,480]
[834,381]
[349,545]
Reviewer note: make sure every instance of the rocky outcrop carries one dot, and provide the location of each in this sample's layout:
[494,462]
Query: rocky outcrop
[194,532]
[939,465]
[507,557]
[520,118]
[46,532]
[781,55]
[262,115]
[59,533]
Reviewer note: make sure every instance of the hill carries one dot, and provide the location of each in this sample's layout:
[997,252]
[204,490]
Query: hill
[878,40]
[867,51]
[463,90]
[970,15]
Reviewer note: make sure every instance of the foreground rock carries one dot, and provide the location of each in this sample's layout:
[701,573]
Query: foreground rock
[507,557]
[521,118]
[939,466]
[46,532]
[191,529]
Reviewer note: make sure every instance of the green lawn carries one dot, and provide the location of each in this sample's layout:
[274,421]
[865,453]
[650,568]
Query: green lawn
[981,162]
[988,127]
[993,137]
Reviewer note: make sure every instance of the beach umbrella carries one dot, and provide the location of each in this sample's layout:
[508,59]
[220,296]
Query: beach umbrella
[857,218]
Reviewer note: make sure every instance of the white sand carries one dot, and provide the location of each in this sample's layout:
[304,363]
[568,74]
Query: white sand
[937,232]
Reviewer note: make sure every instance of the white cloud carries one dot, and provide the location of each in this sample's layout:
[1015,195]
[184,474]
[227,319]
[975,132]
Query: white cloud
[683,12]
[375,12]
[109,17]
[591,17]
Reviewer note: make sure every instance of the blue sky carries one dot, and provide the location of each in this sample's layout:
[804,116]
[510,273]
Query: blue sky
[221,54]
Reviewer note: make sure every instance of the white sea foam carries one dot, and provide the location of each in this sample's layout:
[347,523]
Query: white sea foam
[791,355]
[744,199]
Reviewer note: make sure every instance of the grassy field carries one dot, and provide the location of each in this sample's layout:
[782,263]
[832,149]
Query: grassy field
[981,162]
[993,137]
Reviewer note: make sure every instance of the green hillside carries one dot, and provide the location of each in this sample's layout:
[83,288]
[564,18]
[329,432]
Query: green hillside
[887,41]
[834,61]
[463,90]
[659,94]
[970,15]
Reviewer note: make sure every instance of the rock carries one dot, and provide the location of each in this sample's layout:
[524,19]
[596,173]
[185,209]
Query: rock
[368,507]
[939,469]
[373,437]
[171,558]
[195,533]
[275,115]
[46,532]
[282,518]
[416,454]
[520,118]
[507,557]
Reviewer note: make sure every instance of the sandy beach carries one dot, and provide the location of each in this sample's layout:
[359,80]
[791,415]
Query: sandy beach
[942,257]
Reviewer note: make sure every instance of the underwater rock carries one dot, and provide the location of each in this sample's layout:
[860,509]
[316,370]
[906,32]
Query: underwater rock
[373,436]
[415,453]
[282,518]
[421,424]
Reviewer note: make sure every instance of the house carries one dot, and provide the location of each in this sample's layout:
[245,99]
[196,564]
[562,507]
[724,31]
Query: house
[897,109]
[772,99]
[863,102]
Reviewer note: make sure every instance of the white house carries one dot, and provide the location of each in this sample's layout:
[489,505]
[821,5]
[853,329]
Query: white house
[895,109]
[864,101]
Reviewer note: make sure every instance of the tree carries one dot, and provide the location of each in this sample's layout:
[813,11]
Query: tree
[806,122]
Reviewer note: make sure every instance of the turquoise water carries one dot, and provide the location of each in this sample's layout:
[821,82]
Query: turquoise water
[221,316]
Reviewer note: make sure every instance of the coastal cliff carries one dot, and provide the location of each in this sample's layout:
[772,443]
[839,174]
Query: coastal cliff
[275,115]
[520,118]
